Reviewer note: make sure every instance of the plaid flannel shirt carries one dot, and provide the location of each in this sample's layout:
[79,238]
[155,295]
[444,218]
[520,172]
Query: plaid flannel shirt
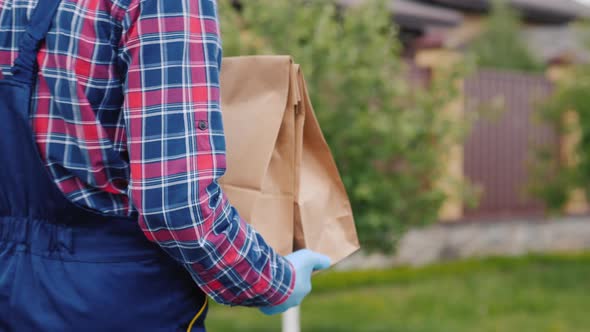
[127,119]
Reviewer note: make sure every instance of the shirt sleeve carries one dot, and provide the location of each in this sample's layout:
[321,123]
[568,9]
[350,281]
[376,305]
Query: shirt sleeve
[170,54]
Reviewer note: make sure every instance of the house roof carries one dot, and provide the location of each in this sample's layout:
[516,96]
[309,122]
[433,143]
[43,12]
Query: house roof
[416,15]
[542,11]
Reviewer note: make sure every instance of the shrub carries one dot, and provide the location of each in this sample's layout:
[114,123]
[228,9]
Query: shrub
[568,110]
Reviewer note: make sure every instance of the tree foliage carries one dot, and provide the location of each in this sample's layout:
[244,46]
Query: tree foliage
[501,46]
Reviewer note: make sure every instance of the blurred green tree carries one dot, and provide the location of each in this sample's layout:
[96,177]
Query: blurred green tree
[386,136]
[568,111]
[500,45]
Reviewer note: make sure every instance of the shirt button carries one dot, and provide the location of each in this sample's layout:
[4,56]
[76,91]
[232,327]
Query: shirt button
[203,125]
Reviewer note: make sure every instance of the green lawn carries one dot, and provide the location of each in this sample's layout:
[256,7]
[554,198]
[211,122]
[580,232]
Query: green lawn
[529,294]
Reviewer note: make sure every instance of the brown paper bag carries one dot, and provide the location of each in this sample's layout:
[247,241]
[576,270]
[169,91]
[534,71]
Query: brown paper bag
[281,176]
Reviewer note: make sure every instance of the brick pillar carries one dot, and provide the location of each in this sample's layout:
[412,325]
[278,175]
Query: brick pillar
[439,61]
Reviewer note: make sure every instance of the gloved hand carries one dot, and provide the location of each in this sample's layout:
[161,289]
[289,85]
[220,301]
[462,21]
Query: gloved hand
[305,262]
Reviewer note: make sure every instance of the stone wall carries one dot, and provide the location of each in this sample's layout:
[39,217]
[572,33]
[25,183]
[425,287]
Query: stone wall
[465,240]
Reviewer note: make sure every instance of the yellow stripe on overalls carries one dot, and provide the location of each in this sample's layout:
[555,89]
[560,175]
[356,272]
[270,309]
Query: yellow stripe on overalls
[190,326]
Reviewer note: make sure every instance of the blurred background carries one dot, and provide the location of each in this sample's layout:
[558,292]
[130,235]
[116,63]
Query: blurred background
[461,129]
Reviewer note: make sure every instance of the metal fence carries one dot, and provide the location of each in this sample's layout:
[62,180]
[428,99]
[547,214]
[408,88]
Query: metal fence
[502,141]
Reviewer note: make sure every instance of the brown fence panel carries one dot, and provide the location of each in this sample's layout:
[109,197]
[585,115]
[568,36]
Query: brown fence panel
[501,143]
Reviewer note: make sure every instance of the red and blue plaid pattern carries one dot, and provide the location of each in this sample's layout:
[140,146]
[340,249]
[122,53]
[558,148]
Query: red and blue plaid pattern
[127,119]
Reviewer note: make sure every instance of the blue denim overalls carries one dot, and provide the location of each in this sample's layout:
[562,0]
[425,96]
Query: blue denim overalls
[63,267]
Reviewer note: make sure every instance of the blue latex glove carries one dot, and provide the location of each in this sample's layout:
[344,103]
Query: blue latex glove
[305,262]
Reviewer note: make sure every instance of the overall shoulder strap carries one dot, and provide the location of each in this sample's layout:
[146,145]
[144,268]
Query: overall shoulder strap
[25,65]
